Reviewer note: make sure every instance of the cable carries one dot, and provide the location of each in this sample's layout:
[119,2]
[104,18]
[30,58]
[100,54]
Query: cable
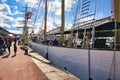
[37,13]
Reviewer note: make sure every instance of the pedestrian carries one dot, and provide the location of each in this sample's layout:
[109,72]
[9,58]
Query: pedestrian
[5,42]
[15,49]
[15,40]
[1,44]
[9,42]
[55,42]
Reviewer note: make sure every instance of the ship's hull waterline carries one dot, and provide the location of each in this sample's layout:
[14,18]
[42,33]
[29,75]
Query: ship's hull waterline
[103,65]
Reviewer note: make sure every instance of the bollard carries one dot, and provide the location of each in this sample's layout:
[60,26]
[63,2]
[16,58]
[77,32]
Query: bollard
[90,79]
[26,51]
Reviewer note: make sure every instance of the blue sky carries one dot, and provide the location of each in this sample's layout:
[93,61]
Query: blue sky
[12,13]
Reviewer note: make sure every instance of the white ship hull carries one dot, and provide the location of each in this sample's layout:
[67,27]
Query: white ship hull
[76,61]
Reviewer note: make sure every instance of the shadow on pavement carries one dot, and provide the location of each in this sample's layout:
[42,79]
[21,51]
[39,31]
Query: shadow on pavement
[39,59]
[6,56]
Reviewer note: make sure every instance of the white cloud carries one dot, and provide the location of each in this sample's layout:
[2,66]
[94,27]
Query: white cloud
[18,22]
[36,29]
[1,7]
[4,21]
[58,12]
[69,4]
[15,7]
[7,21]
[51,23]
[3,1]
[15,31]
[14,23]
[17,0]
[7,18]
[2,13]
[16,12]
[4,8]
[56,6]
[5,25]
[10,22]
[31,3]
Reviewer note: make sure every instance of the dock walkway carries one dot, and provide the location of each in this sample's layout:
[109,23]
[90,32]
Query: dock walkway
[32,67]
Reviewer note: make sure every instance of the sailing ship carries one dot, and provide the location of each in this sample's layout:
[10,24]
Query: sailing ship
[97,58]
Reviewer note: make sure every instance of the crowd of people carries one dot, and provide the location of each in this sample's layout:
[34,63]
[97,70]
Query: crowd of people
[6,43]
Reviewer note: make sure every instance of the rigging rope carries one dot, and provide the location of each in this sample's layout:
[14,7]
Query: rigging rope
[108,7]
[75,16]
[114,57]
[52,16]
[111,69]
[67,16]
[37,13]
[115,48]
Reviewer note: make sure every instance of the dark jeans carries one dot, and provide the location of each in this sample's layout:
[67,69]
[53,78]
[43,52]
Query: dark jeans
[0,49]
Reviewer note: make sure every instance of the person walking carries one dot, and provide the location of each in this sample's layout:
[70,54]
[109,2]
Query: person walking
[9,42]
[5,42]
[15,49]
[1,44]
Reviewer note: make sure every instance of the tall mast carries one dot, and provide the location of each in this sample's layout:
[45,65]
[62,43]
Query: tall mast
[25,27]
[62,22]
[116,15]
[116,10]
[45,20]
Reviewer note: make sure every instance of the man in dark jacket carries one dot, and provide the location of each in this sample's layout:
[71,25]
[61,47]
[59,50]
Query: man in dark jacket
[1,44]
[9,42]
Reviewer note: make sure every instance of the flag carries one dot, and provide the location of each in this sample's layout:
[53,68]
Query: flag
[28,15]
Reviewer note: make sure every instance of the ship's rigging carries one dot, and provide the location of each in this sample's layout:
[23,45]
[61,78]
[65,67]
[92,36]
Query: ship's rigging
[85,18]
[95,33]
[83,15]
